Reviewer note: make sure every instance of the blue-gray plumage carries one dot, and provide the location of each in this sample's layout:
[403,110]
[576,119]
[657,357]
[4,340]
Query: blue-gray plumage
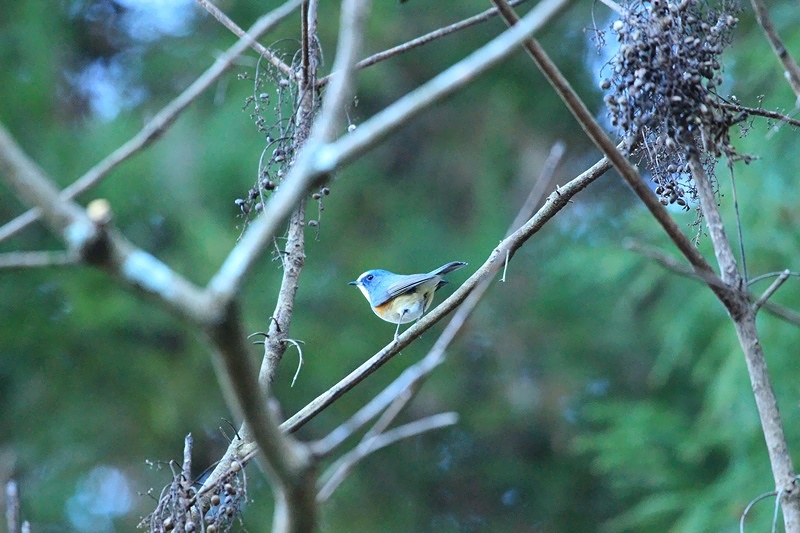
[399,298]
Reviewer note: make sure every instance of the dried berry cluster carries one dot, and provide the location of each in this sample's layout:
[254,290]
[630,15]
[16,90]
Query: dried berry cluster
[276,122]
[178,507]
[663,86]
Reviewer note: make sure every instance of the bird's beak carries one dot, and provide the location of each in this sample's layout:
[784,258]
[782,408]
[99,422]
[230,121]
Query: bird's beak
[353,283]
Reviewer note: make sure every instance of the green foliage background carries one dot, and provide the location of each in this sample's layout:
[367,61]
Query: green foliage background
[597,391]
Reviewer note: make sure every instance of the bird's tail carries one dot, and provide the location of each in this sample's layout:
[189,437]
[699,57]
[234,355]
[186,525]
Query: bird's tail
[449,267]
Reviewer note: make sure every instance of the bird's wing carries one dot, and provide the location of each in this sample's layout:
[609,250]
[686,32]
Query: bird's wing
[407,284]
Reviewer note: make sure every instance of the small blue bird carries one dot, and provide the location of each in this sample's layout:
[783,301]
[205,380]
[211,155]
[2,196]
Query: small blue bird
[398,298]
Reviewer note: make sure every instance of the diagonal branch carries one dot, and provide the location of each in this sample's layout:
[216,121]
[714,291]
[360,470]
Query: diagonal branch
[716,228]
[345,464]
[771,289]
[107,249]
[265,52]
[791,69]
[162,120]
[422,40]
[670,263]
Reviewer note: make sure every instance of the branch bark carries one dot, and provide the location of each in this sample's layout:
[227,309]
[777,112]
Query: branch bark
[263,51]
[743,315]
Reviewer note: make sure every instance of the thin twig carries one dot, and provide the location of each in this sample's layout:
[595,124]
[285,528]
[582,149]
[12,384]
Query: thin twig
[304,43]
[771,289]
[39,259]
[346,463]
[186,468]
[729,271]
[739,230]
[750,506]
[770,275]
[389,415]
[266,53]
[682,269]
[776,509]
[296,344]
[162,120]
[791,69]
[543,181]
[421,40]
[100,245]
[760,112]
[396,389]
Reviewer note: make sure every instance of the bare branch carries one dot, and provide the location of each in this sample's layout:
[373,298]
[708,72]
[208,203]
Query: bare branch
[771,424]
[770,275]
[100,245]
[396,389]
[791,70]
[731,294]
[33,187]
[287,461]
[744,320]
[771,289]
[37,259]
[716,228]
[750,505]
[682,269]
[555,202]
[162,120]
[423,39]
[186,467]
[537,193]
[339,470]
[760,112]
[266,53]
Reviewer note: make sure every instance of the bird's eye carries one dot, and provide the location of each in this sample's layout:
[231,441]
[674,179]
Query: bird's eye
[369,278]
